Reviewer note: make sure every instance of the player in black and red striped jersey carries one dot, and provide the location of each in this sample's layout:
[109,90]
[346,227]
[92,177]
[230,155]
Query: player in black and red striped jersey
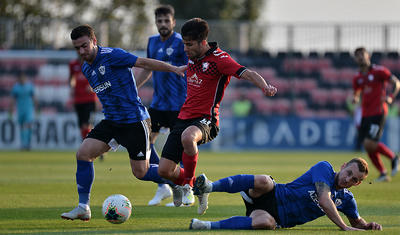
[208,74]
[371,83]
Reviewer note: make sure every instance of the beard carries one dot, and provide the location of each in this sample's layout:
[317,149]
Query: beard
[164,32]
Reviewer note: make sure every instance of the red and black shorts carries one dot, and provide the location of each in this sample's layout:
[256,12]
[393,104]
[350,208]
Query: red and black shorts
[173,148]
[372,127]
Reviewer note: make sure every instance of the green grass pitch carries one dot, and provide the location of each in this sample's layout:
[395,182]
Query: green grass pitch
[36,187]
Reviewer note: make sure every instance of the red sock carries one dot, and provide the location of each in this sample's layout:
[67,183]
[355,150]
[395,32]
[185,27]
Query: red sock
[382,148]
[84,132]
[181,177]
[376,160]
[189,163]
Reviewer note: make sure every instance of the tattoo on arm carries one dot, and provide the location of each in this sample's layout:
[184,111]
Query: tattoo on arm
[322,187]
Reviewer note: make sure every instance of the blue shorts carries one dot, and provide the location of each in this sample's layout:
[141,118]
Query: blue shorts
[25,117]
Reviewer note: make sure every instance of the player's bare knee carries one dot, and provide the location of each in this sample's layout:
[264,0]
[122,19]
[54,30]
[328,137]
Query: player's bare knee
[263,182]
[139,172]
[164,173]
[270,223]
[82,155]
[262,220]
[187,141]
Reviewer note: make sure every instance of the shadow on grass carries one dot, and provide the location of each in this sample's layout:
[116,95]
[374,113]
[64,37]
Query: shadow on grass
[143,212]
[145,219]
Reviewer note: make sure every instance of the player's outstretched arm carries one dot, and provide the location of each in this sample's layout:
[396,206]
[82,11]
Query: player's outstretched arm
[152,64]
[326,203]
[362,224]
[256,79]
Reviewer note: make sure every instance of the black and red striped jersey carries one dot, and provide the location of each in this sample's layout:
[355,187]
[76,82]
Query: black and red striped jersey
[207,79]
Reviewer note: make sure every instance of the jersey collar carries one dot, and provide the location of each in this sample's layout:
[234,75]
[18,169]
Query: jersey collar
[213,47]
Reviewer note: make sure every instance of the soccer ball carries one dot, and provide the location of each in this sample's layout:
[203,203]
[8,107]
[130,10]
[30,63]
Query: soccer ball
[117,209]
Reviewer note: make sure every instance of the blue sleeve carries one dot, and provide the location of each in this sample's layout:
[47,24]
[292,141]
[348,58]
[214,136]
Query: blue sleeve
[349,208]
[121,58]
[322,172]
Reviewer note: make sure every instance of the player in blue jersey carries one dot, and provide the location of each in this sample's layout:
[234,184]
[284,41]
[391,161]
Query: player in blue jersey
[109,72]
[320,191]
[23,94]
[169,88]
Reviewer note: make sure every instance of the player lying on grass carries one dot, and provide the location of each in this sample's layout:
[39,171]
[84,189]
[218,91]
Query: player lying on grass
[320,191]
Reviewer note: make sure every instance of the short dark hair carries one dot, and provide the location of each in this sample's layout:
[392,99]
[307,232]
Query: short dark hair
[165,10]
[195,29]
[361,163]
[360,50]
[83,30]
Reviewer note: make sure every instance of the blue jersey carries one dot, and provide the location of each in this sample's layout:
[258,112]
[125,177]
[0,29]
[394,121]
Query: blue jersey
[111,77]
[23,94]
[297,201]
[169,88]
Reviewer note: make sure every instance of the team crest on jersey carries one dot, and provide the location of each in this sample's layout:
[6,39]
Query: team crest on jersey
[205,66]
[370,77]
[169,51]
[338,202]
[102,70]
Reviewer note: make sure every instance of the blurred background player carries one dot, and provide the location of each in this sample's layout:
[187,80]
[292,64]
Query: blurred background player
[169,88]
[242,107]
[109,71]
[23,94]
[269,205]
[371,84]
[208,74]
[84,99]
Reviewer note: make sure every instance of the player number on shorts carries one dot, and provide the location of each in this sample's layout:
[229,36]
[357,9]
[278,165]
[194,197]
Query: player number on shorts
[373,130]
[205,121]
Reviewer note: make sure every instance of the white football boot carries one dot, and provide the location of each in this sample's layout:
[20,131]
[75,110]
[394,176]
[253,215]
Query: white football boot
[202,188]
[163,192]
[171,204]
[197,224]
[177,194]
[188,197]
[78,213]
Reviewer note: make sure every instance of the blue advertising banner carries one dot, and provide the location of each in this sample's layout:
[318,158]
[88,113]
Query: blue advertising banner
[294,133]
[61,132]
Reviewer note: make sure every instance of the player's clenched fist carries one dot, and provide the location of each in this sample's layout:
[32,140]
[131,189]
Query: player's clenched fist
[269,90]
